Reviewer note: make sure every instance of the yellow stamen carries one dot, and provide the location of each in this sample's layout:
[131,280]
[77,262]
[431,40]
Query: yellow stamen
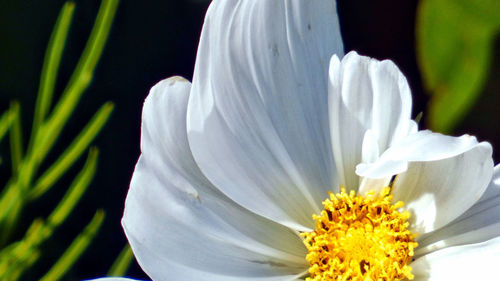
[360,238]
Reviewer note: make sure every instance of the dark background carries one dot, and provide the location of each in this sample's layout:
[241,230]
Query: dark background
[150,41]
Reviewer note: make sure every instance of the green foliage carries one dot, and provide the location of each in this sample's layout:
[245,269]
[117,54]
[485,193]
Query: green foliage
[7,119]
[455,42]
[76,248]
[17,257]
[27,182]
[122,262]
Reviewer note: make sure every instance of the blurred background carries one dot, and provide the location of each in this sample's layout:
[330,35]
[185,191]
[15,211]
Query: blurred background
[153,40]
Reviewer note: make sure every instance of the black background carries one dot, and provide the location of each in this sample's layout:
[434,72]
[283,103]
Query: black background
[150,41]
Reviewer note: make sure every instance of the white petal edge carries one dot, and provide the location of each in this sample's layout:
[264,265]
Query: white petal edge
[174,216]
[437,192]
[370,154]
[180,272]
[113,279]
[461,263]
[257,115]
[418,147]
[480,223]
[365,94]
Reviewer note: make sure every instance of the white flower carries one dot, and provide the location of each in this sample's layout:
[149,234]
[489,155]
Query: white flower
[234,165]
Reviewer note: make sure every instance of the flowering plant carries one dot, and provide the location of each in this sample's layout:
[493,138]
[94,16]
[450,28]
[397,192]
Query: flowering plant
[282,161]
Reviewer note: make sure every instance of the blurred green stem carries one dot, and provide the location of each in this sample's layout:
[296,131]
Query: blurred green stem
[122,262]
[48,131]
[51,64]
[74,251]
[16,140]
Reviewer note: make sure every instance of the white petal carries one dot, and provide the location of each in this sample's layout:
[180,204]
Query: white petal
[467,263]
[370,154]
[365,94]
[176,272]
[113,279]
[369,149]
[421,146]
[480,223]
[437,192]
[257,116]
[174,216]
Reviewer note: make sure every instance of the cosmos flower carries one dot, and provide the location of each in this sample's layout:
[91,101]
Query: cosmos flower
[282,161]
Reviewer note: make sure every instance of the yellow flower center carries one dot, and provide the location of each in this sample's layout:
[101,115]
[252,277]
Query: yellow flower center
[360,238]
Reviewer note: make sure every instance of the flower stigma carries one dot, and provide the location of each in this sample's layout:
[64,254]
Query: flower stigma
[360,238]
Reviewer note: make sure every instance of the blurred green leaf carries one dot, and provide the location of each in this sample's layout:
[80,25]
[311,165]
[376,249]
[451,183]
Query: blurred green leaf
[15,272]
[18,256]
[73,152]
[12,199]
[76,190]
[122,262]
[454,44]
[14,258]
[51,64]
[10,203]
[80,80]
[16,140]
[74,251]
[6,120]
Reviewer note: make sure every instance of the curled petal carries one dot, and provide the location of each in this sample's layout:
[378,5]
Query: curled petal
[422,146]
[365,95]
